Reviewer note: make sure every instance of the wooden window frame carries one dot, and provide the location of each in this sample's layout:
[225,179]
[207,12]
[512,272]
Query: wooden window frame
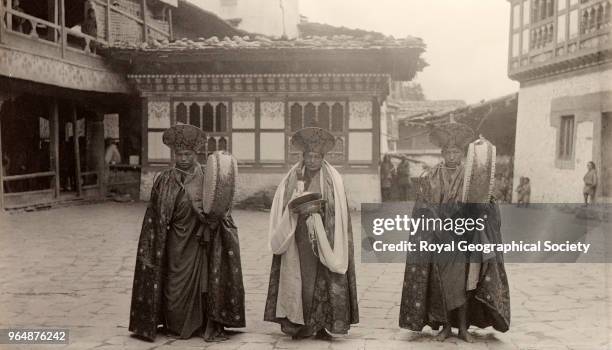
[565,149]
[343,135]
[215,134]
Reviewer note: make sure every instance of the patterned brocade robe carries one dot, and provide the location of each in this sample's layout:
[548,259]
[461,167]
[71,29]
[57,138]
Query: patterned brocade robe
[329,299]
[179,258]
[432,289]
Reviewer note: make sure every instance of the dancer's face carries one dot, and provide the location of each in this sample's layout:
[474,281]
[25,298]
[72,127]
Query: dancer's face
[313,161]
[452,156]
[185,159]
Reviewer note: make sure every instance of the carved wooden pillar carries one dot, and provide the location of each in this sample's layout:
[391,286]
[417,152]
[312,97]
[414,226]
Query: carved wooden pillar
[54,145]
[77,153]
[95,142]
[2,99]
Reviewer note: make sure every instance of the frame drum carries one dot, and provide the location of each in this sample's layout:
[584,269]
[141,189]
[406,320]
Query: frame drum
[479,172]
[219,183]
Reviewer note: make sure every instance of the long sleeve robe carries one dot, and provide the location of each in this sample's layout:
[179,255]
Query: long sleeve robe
[180,258]
[329,300]
[433,287]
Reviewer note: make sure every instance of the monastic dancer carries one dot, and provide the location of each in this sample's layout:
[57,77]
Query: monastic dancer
[188,275]
[312,288]
[454,289]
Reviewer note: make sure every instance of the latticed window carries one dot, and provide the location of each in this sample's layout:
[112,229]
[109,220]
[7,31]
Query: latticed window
[566,137]
[212,118]
[541,9]
[328,115]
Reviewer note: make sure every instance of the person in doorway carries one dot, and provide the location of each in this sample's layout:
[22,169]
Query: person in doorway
[20,24]
[403,179]
[312,289]
[188,274]
[387,172]
[90,27]
[112,155]
[590,183]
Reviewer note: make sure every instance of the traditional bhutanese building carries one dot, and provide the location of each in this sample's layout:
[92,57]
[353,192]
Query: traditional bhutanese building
[494,119]
[250,94]
[60,98]
[560,52]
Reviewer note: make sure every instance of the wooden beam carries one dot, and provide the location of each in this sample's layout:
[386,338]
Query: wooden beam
[54,143]
[62,16]
[77,154]
[376,130]
[9,17]
[53,10]
[143,6]
[2,9]
[257,130]
[144,147]
[1,156]
[108,20]
[29,176]
[170,30]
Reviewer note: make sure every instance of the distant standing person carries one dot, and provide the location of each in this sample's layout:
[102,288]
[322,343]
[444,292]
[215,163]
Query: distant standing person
[386,178]
[90,27]
[19,24]
[112,155]
[523,191]
[403,179]
[590,183]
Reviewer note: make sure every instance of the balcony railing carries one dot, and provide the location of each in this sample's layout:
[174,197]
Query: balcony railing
[542,35]
[585,34]
[35,28]
[116,25]
[594,16]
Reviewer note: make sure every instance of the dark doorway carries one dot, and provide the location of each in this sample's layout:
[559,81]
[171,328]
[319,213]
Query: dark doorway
[25,144]
[606,155]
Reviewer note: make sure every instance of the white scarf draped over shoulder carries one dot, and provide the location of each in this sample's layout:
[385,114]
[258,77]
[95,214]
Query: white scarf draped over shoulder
[282,242]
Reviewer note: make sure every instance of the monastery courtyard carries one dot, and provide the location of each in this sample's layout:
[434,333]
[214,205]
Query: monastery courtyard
[72,268]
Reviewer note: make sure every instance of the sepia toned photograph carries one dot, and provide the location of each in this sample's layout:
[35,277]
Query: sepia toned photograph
[306,174]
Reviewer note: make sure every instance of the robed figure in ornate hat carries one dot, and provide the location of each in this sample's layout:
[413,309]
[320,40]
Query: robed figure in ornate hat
[456,289]
[188,276]
[312,288]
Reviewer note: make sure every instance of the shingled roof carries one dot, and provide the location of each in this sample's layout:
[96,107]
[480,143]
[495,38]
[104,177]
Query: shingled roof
[308,29]
[346,51]
[259,41]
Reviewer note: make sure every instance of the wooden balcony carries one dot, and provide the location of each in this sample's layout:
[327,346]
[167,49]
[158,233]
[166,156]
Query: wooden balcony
[50,52]
[587,43]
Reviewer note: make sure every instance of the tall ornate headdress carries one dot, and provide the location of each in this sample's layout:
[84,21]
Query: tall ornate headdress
[184,137]
[451,134]
[313,139]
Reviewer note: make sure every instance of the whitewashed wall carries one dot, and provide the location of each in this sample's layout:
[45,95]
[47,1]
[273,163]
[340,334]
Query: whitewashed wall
[258,16]
[535,150]
[360,188]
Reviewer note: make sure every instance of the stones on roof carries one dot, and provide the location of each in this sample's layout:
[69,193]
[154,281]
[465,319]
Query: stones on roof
[262,42]
[323,29]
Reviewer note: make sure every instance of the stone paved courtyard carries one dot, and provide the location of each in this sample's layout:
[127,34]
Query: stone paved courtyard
[72,267]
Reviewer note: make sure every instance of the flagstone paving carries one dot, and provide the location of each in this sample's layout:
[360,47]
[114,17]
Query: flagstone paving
[72,268]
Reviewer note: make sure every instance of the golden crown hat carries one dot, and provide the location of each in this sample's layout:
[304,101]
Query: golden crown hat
[451,134]
[313,139]
[184,137]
